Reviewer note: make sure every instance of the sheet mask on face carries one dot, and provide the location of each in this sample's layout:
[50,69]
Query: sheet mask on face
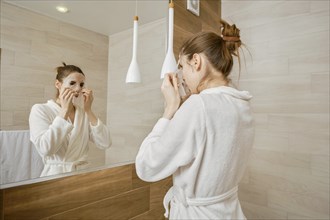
[76,101]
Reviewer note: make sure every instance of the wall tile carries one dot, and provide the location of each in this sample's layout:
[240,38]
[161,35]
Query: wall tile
[288,75]
[265,13]
[314,207]
[6,118]
[253,194]
[320,83]
[131,105]
[28,18]
[252,211]
[319,5]
[320,166]
[314,143]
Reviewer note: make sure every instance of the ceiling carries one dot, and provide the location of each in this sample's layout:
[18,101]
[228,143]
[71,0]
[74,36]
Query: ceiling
[105,17]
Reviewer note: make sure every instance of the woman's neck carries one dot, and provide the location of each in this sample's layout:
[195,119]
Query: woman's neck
[57,101]
[214,79]
[216,83]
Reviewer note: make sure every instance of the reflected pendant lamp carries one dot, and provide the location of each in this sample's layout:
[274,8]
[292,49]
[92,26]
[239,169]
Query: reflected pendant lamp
[133,73]
[169,65]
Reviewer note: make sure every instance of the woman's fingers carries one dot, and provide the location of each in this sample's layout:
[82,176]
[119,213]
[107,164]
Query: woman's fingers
[170,79]
[171,95]
[166,81]
[175,81]
[87,92]
[70,97]
[68,93]
[65,92]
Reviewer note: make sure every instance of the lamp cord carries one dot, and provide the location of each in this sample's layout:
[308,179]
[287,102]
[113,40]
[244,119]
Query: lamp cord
[135,7]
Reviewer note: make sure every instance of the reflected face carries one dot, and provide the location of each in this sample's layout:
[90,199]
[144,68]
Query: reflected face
[189,74]
[74,81]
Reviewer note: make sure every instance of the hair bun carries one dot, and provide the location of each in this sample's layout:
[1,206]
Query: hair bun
[64,64]
[229,33]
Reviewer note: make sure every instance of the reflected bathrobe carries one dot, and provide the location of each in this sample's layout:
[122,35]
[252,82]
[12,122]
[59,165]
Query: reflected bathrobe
[205,146]
[63,145]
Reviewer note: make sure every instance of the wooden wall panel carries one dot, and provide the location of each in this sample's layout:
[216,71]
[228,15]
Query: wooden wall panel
[156,190]
[154,214]
[114,193]
[50,197]
[187,24]
[123,206]
[1,204]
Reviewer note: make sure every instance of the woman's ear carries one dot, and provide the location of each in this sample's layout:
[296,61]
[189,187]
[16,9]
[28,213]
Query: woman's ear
[58,84]
[196,61]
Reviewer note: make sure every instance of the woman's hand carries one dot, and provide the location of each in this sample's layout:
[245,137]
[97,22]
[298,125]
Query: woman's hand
[171,94]
[65,100]
[88,100]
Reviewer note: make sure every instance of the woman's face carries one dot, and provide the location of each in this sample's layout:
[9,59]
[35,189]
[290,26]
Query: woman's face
[75,81]
[190,75]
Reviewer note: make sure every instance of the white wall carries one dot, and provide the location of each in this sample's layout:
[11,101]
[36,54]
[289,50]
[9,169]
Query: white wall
[288,175]
[133,109]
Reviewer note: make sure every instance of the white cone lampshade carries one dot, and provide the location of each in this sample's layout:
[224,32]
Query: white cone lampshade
[169,65]
[133,73]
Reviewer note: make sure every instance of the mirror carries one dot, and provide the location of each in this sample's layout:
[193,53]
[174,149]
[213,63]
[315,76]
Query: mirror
[97,36]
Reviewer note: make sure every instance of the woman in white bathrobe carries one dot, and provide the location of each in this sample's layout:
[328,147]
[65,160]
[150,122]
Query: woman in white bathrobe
[61,129]
[204,143]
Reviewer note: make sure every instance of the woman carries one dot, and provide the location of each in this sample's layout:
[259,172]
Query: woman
[60,129]
[205,142]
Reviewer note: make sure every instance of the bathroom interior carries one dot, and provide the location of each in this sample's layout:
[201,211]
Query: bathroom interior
[285,67]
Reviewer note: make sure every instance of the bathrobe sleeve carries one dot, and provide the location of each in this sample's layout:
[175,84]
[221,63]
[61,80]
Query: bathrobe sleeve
[46,134]
[172,143]
[100,135]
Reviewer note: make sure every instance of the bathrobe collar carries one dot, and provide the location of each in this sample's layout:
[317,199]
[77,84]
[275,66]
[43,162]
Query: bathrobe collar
[244,95]
[54,104]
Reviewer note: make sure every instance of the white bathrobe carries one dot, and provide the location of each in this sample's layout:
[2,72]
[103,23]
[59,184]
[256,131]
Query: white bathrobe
[206,146]
[63,145]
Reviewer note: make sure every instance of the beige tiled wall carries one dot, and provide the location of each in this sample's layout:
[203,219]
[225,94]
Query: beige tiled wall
[133,109]
[288,175]
[32,45]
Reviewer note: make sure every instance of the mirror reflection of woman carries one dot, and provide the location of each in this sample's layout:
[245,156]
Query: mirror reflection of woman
[206,141]
[61,129]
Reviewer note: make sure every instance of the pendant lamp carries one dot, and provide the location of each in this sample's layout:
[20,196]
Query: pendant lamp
[133,73]
[169,64]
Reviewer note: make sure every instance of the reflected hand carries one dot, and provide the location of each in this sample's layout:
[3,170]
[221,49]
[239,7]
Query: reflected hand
[65,100]
[88,99]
